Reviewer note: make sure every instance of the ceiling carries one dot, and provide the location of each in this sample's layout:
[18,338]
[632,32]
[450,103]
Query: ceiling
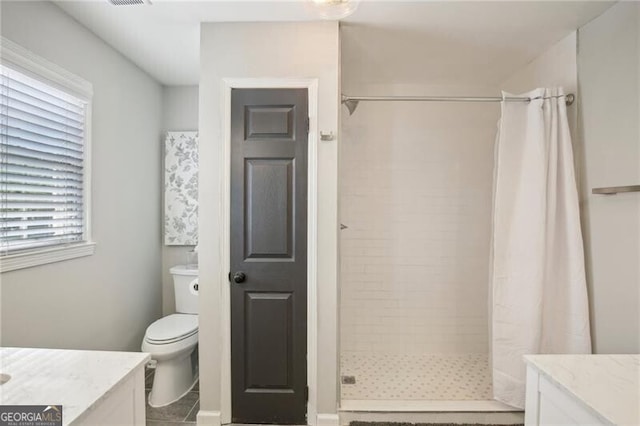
[473,38]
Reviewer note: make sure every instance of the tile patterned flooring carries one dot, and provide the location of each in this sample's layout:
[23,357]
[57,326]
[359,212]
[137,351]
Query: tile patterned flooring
[416,376]
[378,377]
[180,413]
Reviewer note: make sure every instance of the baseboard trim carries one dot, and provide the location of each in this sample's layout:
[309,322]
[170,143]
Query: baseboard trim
[327,420]
[209,418]
[213,418]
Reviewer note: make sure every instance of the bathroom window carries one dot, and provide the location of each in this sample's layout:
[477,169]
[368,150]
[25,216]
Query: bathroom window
[44,161]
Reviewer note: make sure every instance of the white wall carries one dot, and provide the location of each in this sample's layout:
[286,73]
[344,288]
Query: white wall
[609,77]
[240,50]
[415,193]
[556,67]
[179,112]
[104,301]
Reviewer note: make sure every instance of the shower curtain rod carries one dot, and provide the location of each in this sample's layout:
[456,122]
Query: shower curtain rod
[351,102]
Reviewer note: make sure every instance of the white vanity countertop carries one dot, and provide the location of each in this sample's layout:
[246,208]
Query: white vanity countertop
[77,380]
[607,385]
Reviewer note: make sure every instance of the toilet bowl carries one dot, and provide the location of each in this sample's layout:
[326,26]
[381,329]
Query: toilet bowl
[172,342]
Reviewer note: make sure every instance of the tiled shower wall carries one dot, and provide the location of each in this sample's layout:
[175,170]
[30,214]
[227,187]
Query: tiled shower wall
[416,182]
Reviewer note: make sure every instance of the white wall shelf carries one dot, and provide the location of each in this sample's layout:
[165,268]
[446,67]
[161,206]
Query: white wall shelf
[613,190]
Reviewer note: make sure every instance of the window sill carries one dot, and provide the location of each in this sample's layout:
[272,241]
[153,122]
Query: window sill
[39,257]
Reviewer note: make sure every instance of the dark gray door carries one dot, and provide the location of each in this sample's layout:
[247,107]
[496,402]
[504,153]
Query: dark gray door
[269,131]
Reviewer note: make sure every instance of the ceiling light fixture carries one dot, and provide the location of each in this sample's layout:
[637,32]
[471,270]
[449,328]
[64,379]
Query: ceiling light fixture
[335,9]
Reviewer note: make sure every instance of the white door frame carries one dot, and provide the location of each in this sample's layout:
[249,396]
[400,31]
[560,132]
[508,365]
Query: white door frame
[311,84]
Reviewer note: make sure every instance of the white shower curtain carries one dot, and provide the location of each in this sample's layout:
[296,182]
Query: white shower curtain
[539,296]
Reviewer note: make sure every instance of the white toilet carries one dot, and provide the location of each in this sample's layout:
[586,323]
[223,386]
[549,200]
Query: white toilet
[172,341]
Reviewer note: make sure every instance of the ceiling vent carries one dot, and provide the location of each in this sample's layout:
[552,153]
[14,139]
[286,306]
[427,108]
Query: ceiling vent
[128,2]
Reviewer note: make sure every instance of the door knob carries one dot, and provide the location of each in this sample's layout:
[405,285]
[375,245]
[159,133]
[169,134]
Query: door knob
[239,277]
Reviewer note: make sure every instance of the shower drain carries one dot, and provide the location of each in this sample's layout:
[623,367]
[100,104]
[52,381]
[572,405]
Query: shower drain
[348,380]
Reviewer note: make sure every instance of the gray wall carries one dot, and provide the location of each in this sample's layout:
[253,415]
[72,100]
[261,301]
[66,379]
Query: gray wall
[179,112]
[104,301]
[609,88]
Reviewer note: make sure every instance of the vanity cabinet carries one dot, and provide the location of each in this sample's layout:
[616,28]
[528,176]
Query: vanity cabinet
[93,387]
[582,390]
[123,405]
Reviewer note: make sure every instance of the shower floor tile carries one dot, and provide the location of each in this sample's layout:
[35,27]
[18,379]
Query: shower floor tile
[445,377]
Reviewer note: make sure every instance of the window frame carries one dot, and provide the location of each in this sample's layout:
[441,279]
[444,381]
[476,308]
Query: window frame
[22,60]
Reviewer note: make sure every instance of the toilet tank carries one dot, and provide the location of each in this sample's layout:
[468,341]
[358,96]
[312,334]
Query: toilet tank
[185,286]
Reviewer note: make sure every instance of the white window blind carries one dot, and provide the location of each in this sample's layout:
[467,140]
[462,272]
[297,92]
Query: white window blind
[42,146]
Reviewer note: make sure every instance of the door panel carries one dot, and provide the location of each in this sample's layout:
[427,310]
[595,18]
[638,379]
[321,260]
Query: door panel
[269,208]
[269,136]
[269,122]
[269,346]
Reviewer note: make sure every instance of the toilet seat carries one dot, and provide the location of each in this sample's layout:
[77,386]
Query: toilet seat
[172,328]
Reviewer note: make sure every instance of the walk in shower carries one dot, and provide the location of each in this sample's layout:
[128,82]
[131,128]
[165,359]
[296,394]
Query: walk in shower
[416,254]
[415,202]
